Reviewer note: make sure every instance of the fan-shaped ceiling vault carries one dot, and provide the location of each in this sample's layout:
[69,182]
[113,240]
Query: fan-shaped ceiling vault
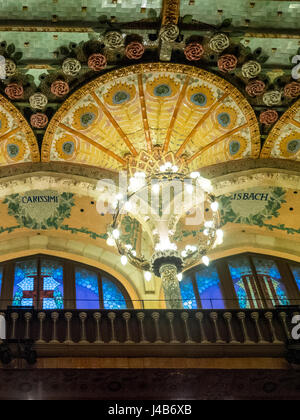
[284,139]
[17,140]
[130,111]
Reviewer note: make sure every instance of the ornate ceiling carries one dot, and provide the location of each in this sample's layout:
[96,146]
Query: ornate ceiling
[101,110]
[284,139]
[182,109]
[17,140]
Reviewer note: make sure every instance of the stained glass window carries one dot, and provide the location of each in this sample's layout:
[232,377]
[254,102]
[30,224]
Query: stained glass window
[296,271]
[208,283]
[52,288]
[244,282]
[271,282]
[187,293]
[25,283]
[87,289]
[1,276]
[112,296]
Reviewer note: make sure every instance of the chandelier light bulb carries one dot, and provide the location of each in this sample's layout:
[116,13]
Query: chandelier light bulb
[110,241]
[220,236]
[128,206]
[179,277]
[205,260]
[215,206]
[175,168]
[209,224]
[116,233]
[155,188]
[189,188]
[195,175]
[147,275]
[124,259]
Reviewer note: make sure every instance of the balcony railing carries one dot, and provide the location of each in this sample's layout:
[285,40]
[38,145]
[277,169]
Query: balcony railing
[142,333]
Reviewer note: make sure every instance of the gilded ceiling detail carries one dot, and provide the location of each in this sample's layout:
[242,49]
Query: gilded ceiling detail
[284,139]
[181,109]
[17,141]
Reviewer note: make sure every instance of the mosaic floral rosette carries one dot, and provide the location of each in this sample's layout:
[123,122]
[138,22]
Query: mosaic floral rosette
[14,91]
[39,120]
[71,67]
[134,50]
[114,40]
[268,117]
[97,62]
[10,67]
[272,98]
[169,33]
[38,101]
[251,69]
[219,43]
[60,88]
[194,51]
[227,63]
[292,90]
[255,88]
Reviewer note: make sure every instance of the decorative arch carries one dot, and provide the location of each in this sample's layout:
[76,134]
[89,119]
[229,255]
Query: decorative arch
[18,143]
[126,113]
[284,140]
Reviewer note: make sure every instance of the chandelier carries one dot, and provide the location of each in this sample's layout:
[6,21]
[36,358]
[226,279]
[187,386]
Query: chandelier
[160,194]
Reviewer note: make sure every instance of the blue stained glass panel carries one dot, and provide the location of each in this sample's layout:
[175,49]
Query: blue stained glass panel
[87,289]
[24,283]
[296,272]
[112,295]
[53,288]
[208,283]
[240,271]
[267,269]
[187,293]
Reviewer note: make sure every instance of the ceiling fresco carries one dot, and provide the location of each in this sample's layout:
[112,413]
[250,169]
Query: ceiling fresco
[17,141]
[179,108]
[284,140]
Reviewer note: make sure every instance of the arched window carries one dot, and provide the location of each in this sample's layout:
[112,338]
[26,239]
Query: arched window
[247,281]
[45,283]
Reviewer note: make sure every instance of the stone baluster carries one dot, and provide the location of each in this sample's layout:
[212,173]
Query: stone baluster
[14,316]
[97,318]
[28,317]
[68,317]
[214,318]
[41,317]
[83,317]
[242,316]
[170,317]
[112,317]
[185,317]
[283,317]
[126,316]
[228,317]
[54,317]
[199,316]
[269,317]
[255,317]
[155,317]
[141,317]
[4,316]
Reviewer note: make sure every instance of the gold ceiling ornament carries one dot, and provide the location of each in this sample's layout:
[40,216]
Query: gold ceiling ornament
[170,12]
[179,108]
[284,138]
[18,141]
